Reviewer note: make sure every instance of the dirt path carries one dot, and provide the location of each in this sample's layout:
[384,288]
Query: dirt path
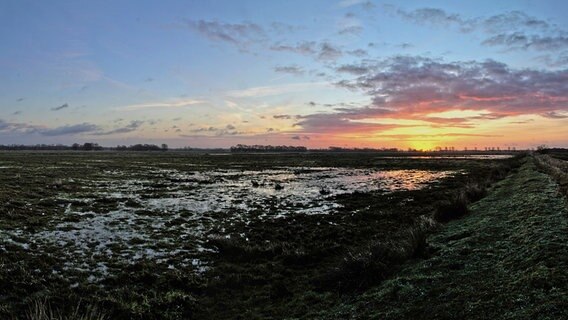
[507,260]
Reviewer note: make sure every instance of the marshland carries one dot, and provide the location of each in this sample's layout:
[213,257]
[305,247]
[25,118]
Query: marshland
[345,159]
[212,236]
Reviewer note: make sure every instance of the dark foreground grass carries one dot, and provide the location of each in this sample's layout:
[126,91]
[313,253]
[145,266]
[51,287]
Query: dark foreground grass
[42,310]
[508,259]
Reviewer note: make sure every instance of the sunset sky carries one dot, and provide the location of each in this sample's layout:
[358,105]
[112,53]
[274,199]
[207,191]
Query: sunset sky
[403,74]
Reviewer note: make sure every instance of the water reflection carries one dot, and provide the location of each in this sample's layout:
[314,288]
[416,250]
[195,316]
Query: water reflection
[285,190]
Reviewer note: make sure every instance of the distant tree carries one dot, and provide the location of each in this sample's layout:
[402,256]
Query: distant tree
[542,149]
[269,148]
[164,147]
[144,147]
[88,146]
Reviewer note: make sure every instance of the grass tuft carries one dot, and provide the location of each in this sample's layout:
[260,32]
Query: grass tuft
[556,168]
[375,262]
[40,309]
[452,209]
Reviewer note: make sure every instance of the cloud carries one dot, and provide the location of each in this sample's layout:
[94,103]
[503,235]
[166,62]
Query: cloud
[65,130]
[205,129]
[492,24]
[358,53]
[12,127]
[556,60]
[522,41]
[418,86]
[522,122]
[162,104]
[349,3]
[432,16]
[69,129]
[280,27]
[514,30]
[440,135]
[297,137]
[555,115]
[15,113]
[404,45]
[439,94]
[328,52]
[132,126]
[61,107]
[321,51]
[275,90]
[338,123]
[305,47]
[292,69]
[240,35]
[513,19]
[353,69]
[283,116]
[228,130]
[351,30]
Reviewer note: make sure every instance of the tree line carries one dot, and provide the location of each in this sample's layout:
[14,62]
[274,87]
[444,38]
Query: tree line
[268,148]
[87,146]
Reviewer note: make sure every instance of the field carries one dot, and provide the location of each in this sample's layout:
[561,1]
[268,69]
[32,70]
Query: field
[211,236]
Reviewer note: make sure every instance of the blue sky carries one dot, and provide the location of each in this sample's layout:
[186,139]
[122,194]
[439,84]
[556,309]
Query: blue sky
[314,73]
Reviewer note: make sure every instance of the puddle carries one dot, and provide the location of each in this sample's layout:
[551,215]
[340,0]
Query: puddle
[457,157]
[166,215]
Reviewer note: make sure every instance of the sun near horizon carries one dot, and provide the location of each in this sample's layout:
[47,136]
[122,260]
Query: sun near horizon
[349,73]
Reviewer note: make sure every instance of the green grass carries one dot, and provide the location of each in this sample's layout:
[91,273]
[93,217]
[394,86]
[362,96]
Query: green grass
[557,168]
[508,259]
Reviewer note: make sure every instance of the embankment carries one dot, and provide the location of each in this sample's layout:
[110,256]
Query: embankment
[508,259]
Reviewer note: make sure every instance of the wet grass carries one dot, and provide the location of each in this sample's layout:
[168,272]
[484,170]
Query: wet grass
[555,165]
[507,259]
[171,262]
[42,310]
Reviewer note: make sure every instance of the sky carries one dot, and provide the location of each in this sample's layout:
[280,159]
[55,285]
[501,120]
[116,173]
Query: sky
[347,73]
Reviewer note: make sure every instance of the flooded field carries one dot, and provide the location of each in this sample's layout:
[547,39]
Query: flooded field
[84,219]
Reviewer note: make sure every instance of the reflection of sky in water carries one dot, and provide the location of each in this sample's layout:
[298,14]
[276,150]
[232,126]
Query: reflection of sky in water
[456,157]
[286,190]
[183,207]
